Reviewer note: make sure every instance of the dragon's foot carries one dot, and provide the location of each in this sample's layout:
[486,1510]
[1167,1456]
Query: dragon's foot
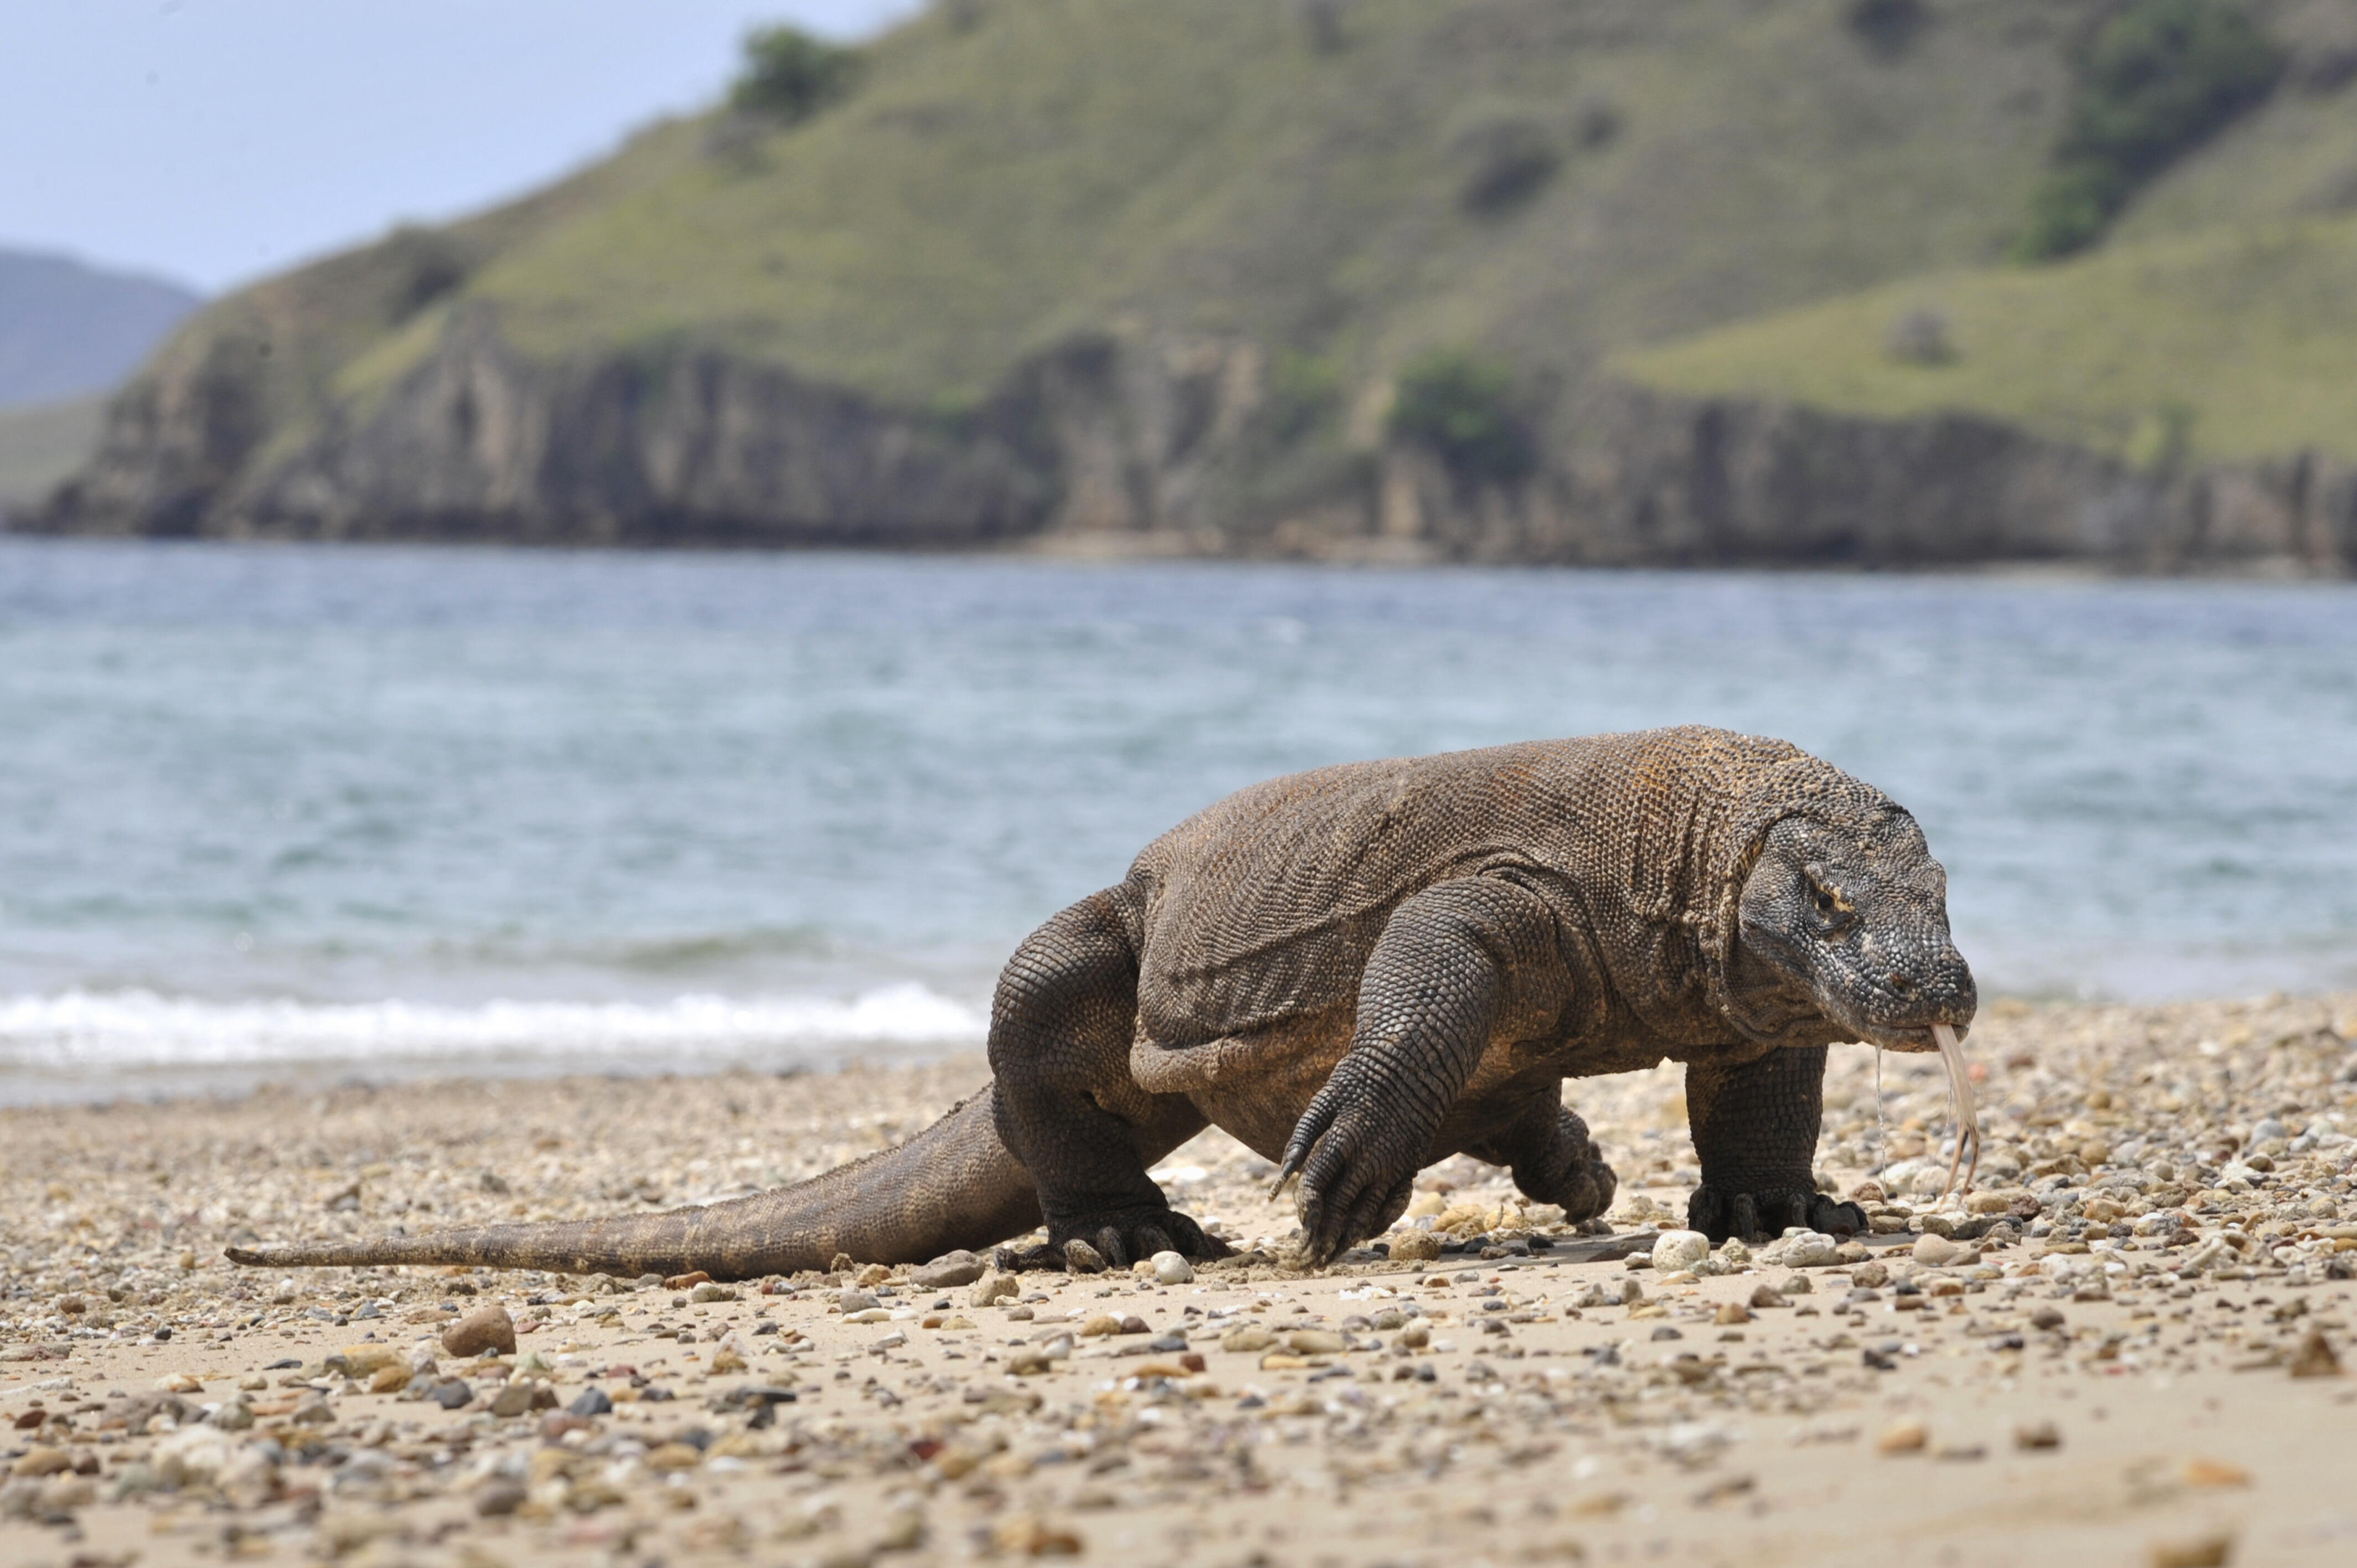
[1356,1158]
[1114,1238]
[1766,1213]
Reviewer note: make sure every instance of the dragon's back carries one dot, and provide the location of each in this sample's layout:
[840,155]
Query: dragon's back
[1265,904]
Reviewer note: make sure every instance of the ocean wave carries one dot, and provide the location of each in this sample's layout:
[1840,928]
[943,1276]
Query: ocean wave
[136,1029]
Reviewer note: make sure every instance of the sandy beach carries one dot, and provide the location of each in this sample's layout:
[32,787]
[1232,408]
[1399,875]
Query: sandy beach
[2123,1347]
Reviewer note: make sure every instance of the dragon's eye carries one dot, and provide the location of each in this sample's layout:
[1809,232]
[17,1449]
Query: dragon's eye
[1832,908]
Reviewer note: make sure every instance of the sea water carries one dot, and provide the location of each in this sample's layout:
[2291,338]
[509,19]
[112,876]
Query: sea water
[276,812]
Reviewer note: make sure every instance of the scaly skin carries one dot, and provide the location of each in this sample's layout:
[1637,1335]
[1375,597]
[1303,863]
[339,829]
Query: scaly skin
[1363,970]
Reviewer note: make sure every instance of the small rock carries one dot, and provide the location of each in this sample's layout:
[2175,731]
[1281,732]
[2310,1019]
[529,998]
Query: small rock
[1100,1324]
[2200,1472]
[1734,1312]
[993,1288]
[670,1456]
[388,1379]
[1870,1276]
[42,1461]
[499,1497]
[453,1395]
[2198,1551]
[2316,1357]
[1936,1251]
[708,1291]
[1083,1259]
[1903,1437]
[852,1301]
[1316,1342]
[1248,1339]
[1677,1249]
[591,1401]
[1765,1297]
[485,1329]
[1809,1250]
[1170,1269]
[1413,1246]
[1027,1536]
[949,1270]
[2036,1436]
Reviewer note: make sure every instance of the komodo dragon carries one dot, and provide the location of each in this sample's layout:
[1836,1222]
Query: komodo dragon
[1365,969]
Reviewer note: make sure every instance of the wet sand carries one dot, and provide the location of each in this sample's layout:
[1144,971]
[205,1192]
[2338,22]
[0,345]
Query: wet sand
[2122,1348]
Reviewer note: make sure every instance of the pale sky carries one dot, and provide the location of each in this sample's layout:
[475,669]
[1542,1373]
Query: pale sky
[211,141]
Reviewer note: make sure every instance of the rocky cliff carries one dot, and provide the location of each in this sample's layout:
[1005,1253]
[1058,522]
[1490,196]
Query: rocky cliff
[1114,445]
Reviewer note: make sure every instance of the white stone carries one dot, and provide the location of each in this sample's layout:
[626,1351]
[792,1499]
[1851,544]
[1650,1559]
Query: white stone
[1170,1269]
[1677,1249]
[1809,1250]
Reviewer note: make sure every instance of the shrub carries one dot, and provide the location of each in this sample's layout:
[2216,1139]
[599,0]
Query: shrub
[1460,405]
[2158,77]
[1506,160]
[790,75]
[1303,388]
[1885,26]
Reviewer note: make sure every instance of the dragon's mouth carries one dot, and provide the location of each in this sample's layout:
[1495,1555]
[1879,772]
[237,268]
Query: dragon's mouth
[1912,1038]
[1948,1039]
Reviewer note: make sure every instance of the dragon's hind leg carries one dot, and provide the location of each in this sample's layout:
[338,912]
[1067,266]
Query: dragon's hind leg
[1547,1146]
[1059,1035]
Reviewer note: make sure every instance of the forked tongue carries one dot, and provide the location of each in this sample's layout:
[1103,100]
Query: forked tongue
[1960,1101]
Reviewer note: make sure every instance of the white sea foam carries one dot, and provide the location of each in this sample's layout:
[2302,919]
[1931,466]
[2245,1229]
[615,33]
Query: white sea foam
[80,1032]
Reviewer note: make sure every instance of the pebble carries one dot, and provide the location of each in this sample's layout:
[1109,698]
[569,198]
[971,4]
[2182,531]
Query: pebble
[2214,1550]
[1171,1268]
[485,1329]
[1413,1246]
[1677,1249]
[2316,1357]
[995,1287]
[1808,1250]
[42,1461]
[591,1402]
[1938,1252]
[1903,1437]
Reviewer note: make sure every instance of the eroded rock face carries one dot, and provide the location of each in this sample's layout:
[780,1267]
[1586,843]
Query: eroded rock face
[1134,445]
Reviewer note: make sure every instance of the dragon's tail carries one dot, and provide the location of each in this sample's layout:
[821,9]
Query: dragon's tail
[955,1184]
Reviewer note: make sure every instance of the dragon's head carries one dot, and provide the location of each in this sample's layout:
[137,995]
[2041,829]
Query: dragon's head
[1845,915]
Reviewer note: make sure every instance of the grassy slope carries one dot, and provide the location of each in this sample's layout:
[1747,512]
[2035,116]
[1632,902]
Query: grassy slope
[2248,333]
[1197,165]
[43,443]
[2226,293]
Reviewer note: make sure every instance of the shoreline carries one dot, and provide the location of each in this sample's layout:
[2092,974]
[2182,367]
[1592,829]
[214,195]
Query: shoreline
[2157,1331]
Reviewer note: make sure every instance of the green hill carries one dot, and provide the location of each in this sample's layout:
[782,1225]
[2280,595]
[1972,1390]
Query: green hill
[1156,265]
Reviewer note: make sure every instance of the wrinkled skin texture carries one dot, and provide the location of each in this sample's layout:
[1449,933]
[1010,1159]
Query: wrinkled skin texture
[1366,969]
